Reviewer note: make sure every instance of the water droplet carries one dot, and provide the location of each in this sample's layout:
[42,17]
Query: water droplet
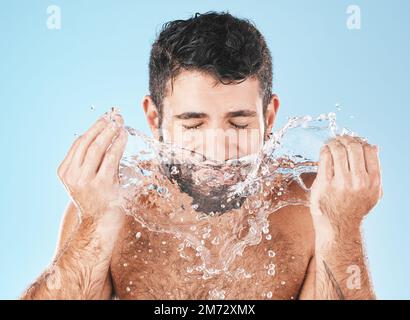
[138,235]
[269,295]
[283,283]
[257,204]
[162,191]
[125,264]
[216,294]
[271,253]
[215,241]
[268,237]
[164,242]
[128,289]
[115,109]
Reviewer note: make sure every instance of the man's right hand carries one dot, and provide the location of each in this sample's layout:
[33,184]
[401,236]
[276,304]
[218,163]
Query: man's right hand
[90,173]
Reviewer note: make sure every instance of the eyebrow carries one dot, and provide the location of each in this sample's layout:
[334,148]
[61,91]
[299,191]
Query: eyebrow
[201,115]
[241,113]
[191,115]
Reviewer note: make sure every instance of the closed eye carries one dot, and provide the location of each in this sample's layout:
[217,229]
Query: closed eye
[192,127]
[238,126]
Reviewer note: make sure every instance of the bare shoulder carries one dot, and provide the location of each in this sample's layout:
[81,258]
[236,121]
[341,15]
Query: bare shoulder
[296,220]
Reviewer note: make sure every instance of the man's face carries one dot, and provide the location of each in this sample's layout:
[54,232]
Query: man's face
[221,122]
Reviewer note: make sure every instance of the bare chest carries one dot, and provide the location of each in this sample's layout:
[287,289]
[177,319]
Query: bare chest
[151,265]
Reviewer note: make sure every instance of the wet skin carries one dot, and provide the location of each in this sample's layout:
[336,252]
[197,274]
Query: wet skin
[98,256]
[150,267]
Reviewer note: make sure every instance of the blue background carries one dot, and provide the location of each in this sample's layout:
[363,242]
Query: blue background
[50,78]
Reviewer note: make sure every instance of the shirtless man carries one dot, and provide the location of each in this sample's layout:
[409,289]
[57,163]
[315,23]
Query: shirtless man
[211,72]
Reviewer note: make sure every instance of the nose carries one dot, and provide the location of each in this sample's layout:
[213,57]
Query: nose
[219,146]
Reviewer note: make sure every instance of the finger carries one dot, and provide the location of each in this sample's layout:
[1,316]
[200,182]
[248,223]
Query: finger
[110,164]
[355,155]
[361,140]
[325,169]
[339,155]
[67,160]
[372,161]
[117,119]
[97,149]
[86,139]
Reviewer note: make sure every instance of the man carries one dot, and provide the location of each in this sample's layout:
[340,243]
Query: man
[212,72]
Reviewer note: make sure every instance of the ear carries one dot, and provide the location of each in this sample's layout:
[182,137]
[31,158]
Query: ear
[151,113]
[271,111]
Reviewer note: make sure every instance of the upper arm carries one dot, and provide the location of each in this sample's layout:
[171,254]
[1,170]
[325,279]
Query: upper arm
[307,291]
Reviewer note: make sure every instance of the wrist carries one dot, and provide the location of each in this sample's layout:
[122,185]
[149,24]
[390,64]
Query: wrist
[329,234]
[95,237]
[104,224]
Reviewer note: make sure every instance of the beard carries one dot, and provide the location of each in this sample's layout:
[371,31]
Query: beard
[207,196]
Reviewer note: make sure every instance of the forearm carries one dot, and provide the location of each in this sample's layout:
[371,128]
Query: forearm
[79,271]
[346,188]
[341,270]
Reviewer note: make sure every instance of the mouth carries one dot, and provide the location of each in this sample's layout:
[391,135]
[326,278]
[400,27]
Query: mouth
[209,186]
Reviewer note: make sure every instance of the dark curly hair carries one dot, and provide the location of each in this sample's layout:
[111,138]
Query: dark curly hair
[229,48]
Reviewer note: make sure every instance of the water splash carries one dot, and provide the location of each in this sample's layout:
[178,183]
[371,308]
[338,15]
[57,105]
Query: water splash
[256,187]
